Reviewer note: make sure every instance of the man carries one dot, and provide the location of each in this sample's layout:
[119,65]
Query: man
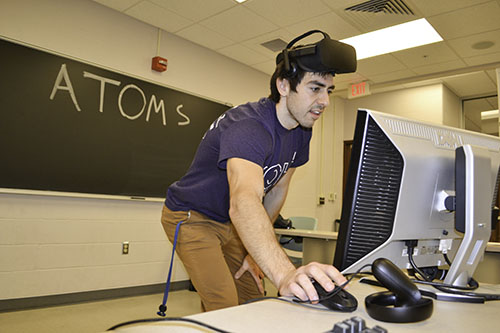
[239,179]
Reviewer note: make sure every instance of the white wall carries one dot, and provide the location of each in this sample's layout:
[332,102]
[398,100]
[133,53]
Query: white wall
[433,103]
[55,245]
[52,245]
[452,109]
[94,33]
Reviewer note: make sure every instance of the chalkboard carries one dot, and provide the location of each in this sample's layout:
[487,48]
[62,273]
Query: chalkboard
[69,126]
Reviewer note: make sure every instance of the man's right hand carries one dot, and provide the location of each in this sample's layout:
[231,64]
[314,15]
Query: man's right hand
[298,282]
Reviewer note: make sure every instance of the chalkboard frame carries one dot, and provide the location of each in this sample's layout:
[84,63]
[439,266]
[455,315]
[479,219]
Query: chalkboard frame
[63,79]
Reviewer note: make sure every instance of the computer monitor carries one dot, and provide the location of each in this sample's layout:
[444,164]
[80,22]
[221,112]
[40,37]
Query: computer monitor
[402,188]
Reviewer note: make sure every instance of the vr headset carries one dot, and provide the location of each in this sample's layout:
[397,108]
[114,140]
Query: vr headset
[327,55]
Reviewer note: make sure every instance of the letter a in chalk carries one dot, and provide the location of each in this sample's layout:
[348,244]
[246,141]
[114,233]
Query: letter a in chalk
[63,75]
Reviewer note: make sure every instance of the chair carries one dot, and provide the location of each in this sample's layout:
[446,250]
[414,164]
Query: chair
[293,245]
[304,222]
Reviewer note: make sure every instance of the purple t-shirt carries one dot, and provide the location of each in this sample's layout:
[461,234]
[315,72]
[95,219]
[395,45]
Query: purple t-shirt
[250,131]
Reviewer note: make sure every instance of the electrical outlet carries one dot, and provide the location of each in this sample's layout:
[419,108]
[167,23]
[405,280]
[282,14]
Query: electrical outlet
[321,200]
[125,247]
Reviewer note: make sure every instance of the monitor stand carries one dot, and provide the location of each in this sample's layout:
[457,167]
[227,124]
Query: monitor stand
[474,200]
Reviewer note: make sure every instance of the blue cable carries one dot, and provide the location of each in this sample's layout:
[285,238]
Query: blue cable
[163,307]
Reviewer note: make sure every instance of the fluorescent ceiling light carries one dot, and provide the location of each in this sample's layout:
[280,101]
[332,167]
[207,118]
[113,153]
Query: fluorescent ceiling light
[489,114]
[395,38]
[240,1]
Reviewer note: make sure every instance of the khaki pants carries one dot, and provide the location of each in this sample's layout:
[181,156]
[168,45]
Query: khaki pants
[212,253]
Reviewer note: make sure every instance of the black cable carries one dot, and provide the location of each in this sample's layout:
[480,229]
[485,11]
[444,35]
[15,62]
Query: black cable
[450,289]
[348,275]
[440,284]
[414,266]
[149,320]
[487,297]
[471,285]
[290,301]
[253,300]
[447,259]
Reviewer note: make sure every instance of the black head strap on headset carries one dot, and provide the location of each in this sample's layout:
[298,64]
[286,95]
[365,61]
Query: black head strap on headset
[327,55]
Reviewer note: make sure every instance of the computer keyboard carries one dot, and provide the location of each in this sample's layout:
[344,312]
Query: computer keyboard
[355,325]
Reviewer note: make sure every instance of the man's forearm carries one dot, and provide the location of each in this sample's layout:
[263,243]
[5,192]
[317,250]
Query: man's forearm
[252,222]
[257,234]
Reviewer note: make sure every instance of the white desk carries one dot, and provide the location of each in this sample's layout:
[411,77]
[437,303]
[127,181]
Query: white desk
[320,246]
[317,245]
[276,316]
[488,270]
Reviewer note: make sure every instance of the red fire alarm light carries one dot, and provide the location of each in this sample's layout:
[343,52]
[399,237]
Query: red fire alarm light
[159,64]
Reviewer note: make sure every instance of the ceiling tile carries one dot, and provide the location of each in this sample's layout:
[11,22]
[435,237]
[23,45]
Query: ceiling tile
[470,84]
[330,23]
[158,16]
[463,46]
[255,43]
[290,11]
[366,22]
[195,10]
[481,104]
[392,76]
[483,59]
[379,65]
[239,24]
[119,5]
[339,4]
[467,21]
[243,54]
[205,37]
[492,74]
[440,67]
[493,102]
[349,77]
[422,83]
[426,55]
[433,7]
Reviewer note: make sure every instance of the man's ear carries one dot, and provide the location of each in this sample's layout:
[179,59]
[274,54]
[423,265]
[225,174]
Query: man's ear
[283,86]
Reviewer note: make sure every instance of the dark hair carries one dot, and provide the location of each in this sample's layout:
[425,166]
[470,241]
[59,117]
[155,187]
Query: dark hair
[281,73]
[293,79]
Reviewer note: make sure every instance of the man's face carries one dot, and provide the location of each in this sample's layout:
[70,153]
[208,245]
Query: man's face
[307,104]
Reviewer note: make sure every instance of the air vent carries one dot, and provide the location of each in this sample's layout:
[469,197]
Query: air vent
[382,6]
[275,45]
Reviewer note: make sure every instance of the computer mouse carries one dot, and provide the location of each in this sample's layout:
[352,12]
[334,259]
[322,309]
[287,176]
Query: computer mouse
[337,300]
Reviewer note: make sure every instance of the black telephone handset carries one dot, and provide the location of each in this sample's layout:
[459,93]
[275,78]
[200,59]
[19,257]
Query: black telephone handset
[403,303]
